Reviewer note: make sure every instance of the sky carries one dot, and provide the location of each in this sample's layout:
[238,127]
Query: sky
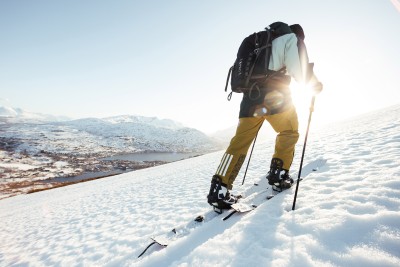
[170,59]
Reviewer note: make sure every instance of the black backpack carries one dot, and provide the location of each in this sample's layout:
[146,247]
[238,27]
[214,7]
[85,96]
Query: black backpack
[251,65]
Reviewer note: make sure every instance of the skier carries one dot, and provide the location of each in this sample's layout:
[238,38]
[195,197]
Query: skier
[272,103]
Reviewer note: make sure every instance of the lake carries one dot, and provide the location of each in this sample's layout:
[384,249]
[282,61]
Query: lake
[146,156]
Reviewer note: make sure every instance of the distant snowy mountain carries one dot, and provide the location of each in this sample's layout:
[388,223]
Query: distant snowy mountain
[32,132]
[224,136]
[145,133]
[8,112]
[154,121]
[18,115]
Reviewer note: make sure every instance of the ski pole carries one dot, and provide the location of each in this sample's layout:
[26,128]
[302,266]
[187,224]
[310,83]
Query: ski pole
[251,153]
[304,149]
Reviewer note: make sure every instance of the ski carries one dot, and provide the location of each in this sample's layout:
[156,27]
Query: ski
[165,239]
[243,207]
[253,197]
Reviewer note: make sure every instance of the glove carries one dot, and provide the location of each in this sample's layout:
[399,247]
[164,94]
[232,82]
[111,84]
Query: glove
[316,88]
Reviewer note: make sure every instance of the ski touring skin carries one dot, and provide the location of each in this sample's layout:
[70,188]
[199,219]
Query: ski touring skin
[253,197]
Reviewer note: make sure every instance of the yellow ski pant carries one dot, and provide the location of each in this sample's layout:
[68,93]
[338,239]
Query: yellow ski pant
[286,126]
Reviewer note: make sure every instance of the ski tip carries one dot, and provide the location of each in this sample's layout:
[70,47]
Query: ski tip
[152,243]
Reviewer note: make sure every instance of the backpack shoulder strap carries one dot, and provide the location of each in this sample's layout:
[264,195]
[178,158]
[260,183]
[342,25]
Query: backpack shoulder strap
[268,49]
[265,42]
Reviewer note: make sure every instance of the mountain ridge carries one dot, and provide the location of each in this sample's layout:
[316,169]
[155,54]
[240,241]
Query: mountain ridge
[113,135]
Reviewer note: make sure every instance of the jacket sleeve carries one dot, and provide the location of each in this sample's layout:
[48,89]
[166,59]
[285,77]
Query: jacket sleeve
[296,61]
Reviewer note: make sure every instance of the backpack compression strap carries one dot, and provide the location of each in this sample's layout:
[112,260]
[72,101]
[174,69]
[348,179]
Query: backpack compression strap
[226,85]
[227,78]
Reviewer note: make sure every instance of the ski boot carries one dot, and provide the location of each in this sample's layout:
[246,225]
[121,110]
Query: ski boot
[219,196]
[278,177]
[286,180]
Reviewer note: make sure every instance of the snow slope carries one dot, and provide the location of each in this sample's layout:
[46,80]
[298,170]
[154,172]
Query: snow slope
[347,213]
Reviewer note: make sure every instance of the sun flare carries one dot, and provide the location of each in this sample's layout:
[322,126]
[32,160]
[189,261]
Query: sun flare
[301,94]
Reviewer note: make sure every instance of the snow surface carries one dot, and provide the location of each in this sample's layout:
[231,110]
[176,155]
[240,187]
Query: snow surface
[347,213]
